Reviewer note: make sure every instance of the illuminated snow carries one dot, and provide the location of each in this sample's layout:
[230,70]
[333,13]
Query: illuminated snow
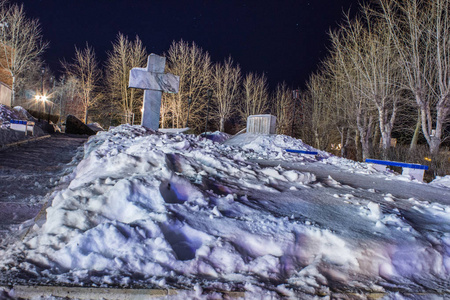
[165,210]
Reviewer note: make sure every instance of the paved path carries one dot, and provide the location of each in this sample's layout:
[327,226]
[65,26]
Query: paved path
[28,172]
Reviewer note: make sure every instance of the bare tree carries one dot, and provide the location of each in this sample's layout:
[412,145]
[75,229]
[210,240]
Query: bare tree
[25,84]
[420,30]
[371,54]
[165,112]
[20,41]
[86,71]
[68,97]
[117,72]
[283,108]
[225,83]
[193,65]
[320,111]
[340,101]
[255,96]
[138,57]
[124,56]
[343,49]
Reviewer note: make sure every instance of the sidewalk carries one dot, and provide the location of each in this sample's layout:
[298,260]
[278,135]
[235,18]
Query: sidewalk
[28,172]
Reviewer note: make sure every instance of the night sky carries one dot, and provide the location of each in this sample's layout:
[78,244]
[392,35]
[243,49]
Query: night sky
[284,39]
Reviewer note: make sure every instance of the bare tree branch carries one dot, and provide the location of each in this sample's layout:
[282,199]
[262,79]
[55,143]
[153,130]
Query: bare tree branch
[85,70]
[20,41]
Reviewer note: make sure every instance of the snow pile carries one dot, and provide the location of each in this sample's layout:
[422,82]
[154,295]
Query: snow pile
[7,135]
[17,113]
[24,114]
[6,114]
[273,147]
[95,126]
[259,146]
[442,181]
[218,136]
[158,210]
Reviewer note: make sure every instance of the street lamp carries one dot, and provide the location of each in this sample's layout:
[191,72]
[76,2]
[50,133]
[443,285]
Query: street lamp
[60,100]
[50,105]
[209,94]
[38,98]
[41,97]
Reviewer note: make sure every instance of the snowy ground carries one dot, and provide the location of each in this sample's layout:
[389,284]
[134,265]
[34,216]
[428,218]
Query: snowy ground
[163,210]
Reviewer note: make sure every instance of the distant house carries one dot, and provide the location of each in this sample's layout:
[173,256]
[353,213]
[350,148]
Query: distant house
[5,83]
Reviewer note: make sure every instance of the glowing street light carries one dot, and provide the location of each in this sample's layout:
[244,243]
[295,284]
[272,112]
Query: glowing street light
[42,80]
[41,97]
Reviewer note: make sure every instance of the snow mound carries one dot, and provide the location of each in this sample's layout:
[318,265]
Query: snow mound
[7,135]
[218,136]
[163,210]
[24,114]
[270,146]
[95,126]
[6,114]
[442,181]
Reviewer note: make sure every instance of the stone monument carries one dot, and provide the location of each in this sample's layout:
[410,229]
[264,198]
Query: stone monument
[154,81]
[261,124]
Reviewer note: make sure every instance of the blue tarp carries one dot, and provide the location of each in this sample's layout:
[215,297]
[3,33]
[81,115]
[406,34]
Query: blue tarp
[302,151]
[17,122]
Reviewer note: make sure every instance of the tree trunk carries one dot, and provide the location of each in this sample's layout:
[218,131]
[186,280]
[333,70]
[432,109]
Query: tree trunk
[222,124]
[13,91]
[342,133]
[163,119]
[316,139]
[344,149]
[386,138]
[85,115]
[415,138]
[364,124]
[385,127]
[358,146]
[365,146]
[435,142]
[376,137]
[433,137]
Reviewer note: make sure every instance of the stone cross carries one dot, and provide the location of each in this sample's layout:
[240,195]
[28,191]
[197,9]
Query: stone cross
[153,80]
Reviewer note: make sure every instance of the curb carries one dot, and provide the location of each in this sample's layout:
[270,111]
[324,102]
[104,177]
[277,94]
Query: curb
[24,141]
[32,292]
